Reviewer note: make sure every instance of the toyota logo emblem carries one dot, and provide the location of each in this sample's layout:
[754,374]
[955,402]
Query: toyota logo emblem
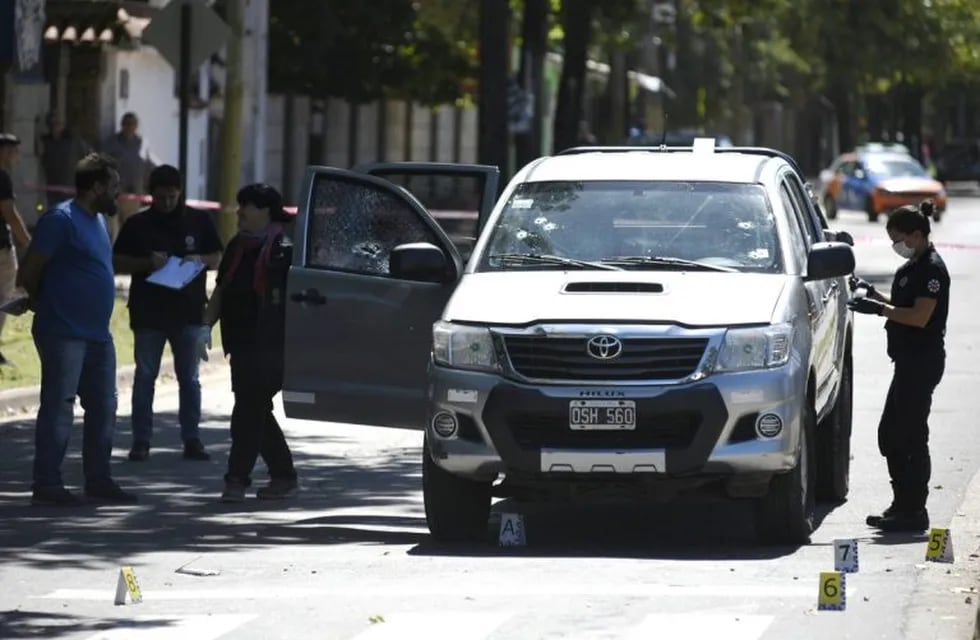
[604,347]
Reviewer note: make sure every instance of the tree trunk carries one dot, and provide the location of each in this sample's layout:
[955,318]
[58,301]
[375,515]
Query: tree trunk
[912,119]
[535,36]
[493,134]
[876,105]
[842,103]
[576,18]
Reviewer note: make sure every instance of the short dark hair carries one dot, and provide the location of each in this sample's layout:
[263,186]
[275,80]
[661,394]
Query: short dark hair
[263,196]
[165,176]
[129,115]
[95,168]
[912,218]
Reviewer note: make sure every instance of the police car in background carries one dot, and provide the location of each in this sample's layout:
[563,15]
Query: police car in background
[664,320]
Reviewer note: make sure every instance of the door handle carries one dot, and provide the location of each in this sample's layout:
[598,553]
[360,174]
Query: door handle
[310,296]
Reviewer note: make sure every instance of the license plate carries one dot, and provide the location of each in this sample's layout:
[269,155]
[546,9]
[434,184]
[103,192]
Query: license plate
[602,415]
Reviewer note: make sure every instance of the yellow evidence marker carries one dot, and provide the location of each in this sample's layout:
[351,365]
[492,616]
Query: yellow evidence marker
[127,584]
[940,547]
[832,591]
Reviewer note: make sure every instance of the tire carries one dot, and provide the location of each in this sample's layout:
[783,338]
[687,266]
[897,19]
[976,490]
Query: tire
[869,208]
[834,442]
[786,514]
[456,509]
[830,207]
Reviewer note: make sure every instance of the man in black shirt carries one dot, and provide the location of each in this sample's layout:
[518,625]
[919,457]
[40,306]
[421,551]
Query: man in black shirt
[158,314]
[11,225]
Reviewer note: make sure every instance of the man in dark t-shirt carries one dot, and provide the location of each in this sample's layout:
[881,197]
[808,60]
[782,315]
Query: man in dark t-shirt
[158,314]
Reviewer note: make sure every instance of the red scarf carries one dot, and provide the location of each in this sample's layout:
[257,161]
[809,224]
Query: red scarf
[245,243]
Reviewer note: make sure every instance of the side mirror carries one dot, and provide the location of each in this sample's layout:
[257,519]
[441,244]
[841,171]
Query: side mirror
[421,262]
[839,236]
[829,260]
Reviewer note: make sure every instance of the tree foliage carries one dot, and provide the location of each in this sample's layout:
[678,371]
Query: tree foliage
[362,51]
[729,53]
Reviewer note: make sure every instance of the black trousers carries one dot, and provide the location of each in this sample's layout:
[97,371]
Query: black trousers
[903,433]
[256,378]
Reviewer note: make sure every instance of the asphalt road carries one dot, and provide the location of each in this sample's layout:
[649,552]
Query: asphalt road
[350,558]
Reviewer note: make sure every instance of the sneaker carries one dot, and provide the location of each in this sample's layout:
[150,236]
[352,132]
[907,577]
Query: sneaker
[278,489]
[905,521]
[55,497]
[110,492]
[194,450]
[140,451]
[874,520]
[234,492]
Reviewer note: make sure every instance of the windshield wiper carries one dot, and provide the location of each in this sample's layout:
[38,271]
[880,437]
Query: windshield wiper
[536,258]
[667,261]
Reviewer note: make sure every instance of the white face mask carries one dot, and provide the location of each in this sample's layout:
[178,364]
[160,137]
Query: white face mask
[903,250]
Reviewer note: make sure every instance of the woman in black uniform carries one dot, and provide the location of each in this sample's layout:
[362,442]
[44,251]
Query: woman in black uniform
[916,311]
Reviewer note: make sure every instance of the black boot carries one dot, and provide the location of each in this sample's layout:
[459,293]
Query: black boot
[905,521]
[874,519]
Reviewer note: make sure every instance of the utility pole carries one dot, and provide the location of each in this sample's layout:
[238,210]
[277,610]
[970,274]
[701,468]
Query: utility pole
[184,89]
[494,135]
[231,135]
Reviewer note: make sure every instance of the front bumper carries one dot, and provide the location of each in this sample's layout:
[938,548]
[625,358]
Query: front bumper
[886,201]
[703,428]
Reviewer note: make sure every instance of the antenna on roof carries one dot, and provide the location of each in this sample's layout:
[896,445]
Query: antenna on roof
[663,135]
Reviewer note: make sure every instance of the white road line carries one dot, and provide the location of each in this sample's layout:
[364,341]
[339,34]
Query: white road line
[164,627]
[434,626]
[695,626]
[754,591]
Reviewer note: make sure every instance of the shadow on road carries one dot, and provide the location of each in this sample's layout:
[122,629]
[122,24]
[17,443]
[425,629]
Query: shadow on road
[347,497]
[41,624]
[179,508]
[685,529]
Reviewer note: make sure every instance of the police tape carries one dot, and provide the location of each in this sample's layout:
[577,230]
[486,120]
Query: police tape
[211,205]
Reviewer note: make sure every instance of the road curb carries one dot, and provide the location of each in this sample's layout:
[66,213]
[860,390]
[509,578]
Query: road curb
[25,399]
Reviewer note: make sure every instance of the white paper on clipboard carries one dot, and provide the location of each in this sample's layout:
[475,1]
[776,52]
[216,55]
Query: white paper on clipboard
[176,273]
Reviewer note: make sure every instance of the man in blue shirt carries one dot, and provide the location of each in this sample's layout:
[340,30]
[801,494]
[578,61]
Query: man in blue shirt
[68,275]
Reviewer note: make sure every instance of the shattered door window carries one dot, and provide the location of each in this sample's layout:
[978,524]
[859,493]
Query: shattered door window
[453,199]
[353,227]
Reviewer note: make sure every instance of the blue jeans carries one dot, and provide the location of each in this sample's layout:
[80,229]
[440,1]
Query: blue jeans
[148,351]
[70,367]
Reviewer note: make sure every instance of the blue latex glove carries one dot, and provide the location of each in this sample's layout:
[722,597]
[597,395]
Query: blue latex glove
[203,342]
[866,305]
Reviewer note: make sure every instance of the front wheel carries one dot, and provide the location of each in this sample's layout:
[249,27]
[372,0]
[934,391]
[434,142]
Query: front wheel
[456,509]
[834,442]
[786,514]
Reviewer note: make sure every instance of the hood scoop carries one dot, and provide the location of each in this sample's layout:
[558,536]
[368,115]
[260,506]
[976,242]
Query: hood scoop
[613,287]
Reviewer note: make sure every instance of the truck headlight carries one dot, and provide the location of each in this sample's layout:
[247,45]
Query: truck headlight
[463,347]
[762,348]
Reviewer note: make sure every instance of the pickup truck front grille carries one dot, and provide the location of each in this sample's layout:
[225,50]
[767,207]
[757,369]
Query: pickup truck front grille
[653,431]
[562,358]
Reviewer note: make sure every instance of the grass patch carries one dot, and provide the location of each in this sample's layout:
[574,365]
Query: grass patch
[18,347]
